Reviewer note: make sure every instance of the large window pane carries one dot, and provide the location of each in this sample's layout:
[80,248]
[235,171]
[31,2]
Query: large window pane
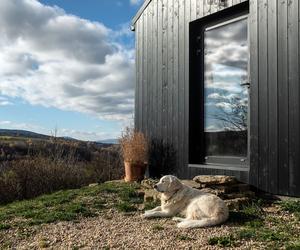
[225,97]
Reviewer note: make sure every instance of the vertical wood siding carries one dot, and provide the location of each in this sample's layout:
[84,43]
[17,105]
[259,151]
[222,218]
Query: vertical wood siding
[272,97]
[162,86]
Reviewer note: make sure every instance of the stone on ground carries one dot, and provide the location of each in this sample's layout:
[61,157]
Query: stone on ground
[208,180]
[191,184]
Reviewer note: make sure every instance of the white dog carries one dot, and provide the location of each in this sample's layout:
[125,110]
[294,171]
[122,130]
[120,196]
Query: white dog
[199,209]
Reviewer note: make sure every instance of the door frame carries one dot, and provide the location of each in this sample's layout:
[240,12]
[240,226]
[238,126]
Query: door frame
[196,90]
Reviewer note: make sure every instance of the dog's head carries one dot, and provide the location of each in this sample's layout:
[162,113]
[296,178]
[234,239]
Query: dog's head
[168,184]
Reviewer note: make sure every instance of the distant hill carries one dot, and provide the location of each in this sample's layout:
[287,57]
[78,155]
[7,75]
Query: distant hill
[33,135]
[22,133]
[29,134]
[109,141]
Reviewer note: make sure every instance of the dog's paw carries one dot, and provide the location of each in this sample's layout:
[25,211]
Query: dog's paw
[183,224]
[177,219]
[145,215]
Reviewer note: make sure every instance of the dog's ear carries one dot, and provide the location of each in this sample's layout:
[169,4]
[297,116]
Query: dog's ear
[175,183]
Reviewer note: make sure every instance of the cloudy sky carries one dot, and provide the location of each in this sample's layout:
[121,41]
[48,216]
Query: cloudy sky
[67,65]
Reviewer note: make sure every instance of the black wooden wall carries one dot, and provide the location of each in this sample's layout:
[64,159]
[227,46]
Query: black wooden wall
[275,96]
[162,85]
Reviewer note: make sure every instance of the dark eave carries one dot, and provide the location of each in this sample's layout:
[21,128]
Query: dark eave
[139,13]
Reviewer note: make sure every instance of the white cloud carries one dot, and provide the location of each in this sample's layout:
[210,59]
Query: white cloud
[224,105]
[215,96]
[4,101]
[5,123]
[23,126]
[218,96]
[135,2]
[53,59]
[88,136]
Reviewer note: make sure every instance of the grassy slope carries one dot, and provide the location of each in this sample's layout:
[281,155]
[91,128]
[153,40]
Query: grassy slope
[277,229]
[70,205]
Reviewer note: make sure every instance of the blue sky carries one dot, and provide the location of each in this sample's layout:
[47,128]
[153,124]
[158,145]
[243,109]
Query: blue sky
[68,65]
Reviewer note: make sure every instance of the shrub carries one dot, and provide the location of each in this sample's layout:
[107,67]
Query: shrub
[31,176]
[134,146]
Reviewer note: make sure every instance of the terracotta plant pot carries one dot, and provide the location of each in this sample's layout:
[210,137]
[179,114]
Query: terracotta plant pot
[134,171]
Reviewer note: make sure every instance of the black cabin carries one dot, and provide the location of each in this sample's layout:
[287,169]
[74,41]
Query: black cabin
[218,81]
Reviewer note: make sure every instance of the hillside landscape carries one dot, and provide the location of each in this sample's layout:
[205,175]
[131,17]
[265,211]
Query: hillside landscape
[32,164]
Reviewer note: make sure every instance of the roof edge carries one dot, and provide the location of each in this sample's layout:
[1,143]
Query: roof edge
[139,13]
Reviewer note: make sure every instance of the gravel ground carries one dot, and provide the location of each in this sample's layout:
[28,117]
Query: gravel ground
[113,230]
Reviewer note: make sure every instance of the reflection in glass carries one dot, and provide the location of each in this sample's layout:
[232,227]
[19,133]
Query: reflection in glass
[226,101]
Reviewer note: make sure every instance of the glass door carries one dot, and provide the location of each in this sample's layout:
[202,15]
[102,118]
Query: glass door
[226,92]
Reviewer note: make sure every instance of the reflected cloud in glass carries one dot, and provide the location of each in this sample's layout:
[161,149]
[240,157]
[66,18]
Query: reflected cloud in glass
[226,101]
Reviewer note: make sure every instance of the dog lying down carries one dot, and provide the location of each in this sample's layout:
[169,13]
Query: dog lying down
[198,208]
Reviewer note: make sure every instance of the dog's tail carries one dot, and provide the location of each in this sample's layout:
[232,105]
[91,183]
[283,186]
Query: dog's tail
[206,222]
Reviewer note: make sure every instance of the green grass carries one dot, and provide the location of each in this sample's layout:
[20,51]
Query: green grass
[273,230]
[43,244]
[292,206]
[293,246]
[183,238]
[70,205]
[126,207]
[157,227]
[263,234]
[222,241]
[151,204]
[4,226]
[6,245]
[251,213]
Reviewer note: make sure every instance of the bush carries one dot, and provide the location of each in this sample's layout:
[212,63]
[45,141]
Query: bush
[31,176]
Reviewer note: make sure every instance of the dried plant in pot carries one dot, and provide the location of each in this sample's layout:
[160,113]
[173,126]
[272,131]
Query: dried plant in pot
[134,147]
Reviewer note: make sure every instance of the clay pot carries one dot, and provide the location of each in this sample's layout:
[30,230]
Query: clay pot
[134,171]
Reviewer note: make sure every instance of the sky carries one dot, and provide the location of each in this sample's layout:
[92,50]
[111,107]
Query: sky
[67,66]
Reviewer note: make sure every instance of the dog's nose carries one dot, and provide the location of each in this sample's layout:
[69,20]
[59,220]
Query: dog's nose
[155,186]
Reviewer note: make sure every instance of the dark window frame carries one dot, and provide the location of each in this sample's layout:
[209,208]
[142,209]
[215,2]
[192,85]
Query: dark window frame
[196,90]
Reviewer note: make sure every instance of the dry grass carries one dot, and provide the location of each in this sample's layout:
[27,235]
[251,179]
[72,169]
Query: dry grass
[134,146]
